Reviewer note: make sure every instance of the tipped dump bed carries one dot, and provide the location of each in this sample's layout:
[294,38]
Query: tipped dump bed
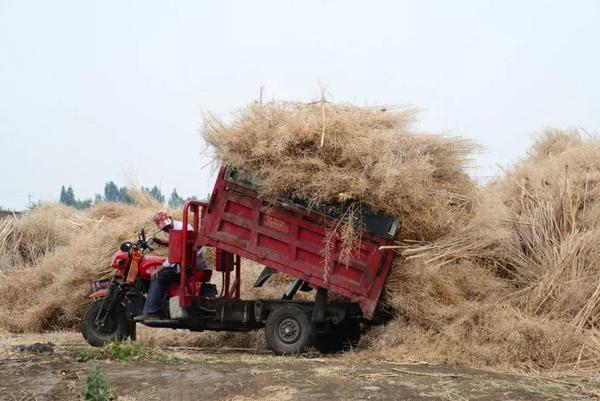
[292,239]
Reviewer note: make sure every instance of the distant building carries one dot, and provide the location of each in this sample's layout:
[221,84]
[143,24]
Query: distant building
[9,213]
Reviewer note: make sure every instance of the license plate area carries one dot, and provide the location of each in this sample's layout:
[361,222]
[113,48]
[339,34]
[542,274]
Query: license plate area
[100,284]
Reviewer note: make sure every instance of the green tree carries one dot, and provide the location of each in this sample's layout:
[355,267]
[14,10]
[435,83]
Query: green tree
[63,195]
[124,196]
[82,204]
[67,196]
[155,193]
[111,192]
[175,200]
[70,196]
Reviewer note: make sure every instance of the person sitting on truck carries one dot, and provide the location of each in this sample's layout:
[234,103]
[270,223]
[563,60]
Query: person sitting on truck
[168,272]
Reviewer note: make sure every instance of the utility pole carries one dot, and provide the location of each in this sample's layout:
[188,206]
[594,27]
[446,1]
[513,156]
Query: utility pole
[29,199]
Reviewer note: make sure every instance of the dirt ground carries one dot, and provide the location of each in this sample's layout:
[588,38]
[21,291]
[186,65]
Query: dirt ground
[243,375]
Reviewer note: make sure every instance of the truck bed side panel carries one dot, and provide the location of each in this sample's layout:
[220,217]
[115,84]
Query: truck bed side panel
[293,241]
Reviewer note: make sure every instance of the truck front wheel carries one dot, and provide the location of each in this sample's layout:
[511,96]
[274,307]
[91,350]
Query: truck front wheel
[289,330]
[117,326]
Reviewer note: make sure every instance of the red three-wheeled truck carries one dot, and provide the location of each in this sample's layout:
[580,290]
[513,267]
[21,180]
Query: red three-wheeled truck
[283,235]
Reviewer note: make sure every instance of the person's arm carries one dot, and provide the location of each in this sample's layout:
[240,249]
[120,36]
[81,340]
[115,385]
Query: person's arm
[201,262]
[154,274]
[161,241]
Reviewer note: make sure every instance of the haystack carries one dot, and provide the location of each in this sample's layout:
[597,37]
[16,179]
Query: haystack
[25,241]
[538,226]
[339,154]
[49,256]
[535,230]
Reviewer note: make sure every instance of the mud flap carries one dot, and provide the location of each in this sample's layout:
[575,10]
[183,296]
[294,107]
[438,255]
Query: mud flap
[134,303]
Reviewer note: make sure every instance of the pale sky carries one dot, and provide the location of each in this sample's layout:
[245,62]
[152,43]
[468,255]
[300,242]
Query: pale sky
[92,91]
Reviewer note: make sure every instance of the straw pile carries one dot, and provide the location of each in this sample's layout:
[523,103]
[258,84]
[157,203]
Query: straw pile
[49,256]
[329,154]
[25,241]
[521,280]
[539,227]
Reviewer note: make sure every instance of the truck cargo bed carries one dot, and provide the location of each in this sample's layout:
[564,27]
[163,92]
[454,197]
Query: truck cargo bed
[292,240]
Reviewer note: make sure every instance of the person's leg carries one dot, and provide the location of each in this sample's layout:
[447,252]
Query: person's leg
[158,289]
[154,297]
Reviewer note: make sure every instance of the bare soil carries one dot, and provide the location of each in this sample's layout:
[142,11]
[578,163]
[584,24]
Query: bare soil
[243,375]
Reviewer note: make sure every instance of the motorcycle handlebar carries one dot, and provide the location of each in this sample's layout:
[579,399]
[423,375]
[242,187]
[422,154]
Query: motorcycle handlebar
[143,243]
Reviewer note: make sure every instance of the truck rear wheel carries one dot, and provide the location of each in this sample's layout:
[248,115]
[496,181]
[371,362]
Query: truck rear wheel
[289,330]
[117,327]
[342,338]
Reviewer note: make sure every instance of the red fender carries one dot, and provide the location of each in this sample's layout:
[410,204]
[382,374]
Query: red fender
[99,294]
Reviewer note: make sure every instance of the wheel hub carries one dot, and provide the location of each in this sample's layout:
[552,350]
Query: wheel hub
[109,326]
[289,330]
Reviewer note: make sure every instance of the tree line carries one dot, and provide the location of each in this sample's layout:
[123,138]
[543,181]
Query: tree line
[114,193]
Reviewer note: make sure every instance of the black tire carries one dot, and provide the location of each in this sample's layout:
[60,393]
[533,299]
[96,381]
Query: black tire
[289,330]
[343,337]
[352,333]
[118,326]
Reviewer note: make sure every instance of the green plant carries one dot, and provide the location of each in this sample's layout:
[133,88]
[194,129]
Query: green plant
[97,387]
[127,351]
